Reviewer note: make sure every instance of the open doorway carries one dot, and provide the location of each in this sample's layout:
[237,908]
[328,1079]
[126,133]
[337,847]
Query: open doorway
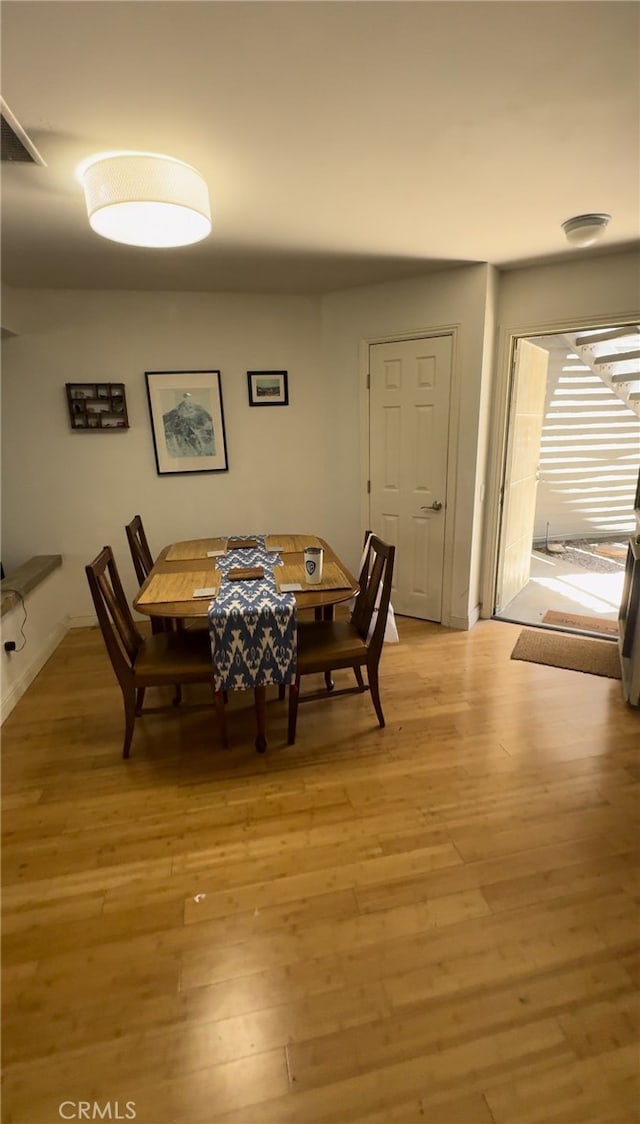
[569,479]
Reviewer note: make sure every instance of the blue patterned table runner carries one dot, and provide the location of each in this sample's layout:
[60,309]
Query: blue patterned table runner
[252,627]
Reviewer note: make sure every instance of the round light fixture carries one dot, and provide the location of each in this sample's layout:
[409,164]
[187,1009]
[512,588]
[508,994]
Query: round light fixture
[145,199]
[584,230]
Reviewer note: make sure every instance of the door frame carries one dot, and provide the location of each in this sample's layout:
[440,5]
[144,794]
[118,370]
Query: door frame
[500,431]
[453,420]
[514,432]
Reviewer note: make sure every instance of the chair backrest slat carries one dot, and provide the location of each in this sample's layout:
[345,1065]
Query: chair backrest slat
[139,547]
[115,618]
[376,576]
[143,565]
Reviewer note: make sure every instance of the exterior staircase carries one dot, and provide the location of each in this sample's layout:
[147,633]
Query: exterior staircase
[614,355]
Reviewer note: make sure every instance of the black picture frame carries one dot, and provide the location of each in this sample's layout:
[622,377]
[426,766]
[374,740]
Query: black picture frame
[268,388]
[187,421]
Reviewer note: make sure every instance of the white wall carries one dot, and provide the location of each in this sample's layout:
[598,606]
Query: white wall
[483,449]
[452,299]
[70,493]
[579,291]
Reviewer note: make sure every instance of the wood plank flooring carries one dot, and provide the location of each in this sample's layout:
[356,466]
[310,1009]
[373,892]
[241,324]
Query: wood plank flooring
[437,921]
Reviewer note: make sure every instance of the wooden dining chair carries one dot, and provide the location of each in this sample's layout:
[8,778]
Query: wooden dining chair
[160,660]
[326,646]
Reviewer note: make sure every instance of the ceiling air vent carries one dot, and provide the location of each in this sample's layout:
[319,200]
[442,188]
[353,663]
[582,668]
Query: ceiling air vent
[16,146]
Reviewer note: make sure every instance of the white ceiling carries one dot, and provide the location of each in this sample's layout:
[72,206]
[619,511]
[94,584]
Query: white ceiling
[342,142]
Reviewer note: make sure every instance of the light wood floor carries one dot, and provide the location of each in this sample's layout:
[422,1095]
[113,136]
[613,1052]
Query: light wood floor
[436,922]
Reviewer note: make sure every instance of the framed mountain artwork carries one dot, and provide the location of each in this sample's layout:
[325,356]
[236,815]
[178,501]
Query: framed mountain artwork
[187,421]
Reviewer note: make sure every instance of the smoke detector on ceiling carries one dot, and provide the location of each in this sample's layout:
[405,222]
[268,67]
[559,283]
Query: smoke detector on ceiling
[17,147]
[584,230]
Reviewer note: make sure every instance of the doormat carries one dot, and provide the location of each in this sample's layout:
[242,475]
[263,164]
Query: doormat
[575,620]
[576,653]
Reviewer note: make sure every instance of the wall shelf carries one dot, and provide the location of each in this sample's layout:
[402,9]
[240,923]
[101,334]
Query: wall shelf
[97,406]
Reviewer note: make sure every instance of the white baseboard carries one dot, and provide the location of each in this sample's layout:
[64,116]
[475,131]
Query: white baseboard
[474,616]
[82,622]
[40,658]
[463,623]
[457,622]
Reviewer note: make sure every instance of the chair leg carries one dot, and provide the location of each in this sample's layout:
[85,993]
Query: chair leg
[294,691]
[129,720]
[357,671]
[372,673]
[177,698]
[328,615]
[260,695]
[220,699]
[281,691]
[140,692]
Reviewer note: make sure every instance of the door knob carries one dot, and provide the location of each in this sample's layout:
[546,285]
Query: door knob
[435,506]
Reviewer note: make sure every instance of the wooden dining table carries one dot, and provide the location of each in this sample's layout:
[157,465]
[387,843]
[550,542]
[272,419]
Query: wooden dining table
[186,579]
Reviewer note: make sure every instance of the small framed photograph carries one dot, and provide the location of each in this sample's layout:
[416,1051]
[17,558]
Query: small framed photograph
[268,388]
[187,421]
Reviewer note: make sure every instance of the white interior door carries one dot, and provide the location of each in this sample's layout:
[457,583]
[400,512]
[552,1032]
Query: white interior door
[521,473]
[410,385]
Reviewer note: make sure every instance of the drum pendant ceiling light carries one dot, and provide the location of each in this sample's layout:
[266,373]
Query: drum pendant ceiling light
[145,199]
